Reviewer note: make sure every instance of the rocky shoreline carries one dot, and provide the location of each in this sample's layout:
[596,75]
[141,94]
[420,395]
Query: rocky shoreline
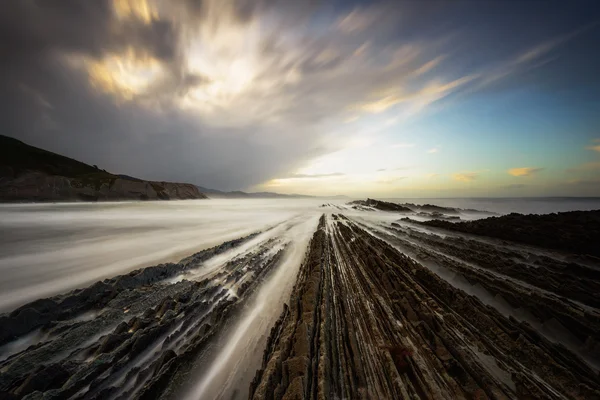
[366,321]
[378,310]
[39,187]
[575,231]
[30,174]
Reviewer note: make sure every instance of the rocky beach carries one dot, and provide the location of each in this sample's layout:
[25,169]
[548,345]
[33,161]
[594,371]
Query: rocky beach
[360,300]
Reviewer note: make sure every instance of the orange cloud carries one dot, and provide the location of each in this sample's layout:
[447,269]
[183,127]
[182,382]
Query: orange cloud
[381,105]
[126,74]
[524,171]
[465,176]
[138,9]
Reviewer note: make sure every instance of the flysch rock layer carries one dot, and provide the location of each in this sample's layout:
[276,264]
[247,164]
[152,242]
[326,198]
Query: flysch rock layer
[366,321]
[379,310]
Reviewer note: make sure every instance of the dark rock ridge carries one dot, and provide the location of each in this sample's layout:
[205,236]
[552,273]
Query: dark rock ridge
[574,231]
[367,321]
[424,210]
[144,336]
[28,173]
[64,307]
[378,311]
[432,208]
[379,205]
[437,215]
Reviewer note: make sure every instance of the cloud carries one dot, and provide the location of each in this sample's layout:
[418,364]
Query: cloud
[221,93]
[529,59]
[433,150]
[381,169]
[198,91]
[432,175]
[465,176]
[428,66]
[594,148]
[403,145]
[524,171]
[380,105]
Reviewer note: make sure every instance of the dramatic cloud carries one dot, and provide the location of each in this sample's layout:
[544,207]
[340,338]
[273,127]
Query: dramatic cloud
[524,171]
[465,176]
[227,93]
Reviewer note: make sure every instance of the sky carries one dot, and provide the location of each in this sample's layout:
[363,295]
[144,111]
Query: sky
[362,98]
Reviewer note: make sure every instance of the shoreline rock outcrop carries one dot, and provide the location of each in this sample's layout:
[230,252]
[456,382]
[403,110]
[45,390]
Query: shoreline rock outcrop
[378,310]
[367,321]
[30,174]
[574,231]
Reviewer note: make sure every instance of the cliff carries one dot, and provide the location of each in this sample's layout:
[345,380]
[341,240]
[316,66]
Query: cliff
[28,173]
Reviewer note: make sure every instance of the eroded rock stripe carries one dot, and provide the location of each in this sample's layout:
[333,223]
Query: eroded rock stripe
[366,321]
[146,335]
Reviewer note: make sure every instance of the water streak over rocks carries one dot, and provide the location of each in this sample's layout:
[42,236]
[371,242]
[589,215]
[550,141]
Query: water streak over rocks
[367,321]
[145,329]
[378,309]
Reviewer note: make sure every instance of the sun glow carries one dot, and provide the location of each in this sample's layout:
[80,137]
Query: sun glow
[128,74]
[139,9]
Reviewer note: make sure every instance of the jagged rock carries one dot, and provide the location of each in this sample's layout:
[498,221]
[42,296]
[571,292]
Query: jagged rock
[573,231]
[380,205]
[376,312]
[45,378]
[366,321]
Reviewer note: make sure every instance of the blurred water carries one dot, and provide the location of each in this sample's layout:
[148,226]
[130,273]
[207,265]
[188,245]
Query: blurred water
[46,249]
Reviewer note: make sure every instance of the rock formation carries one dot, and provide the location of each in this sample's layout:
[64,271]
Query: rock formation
[377,311]
[31,174]
[379,205]
[574,231]
[366,321]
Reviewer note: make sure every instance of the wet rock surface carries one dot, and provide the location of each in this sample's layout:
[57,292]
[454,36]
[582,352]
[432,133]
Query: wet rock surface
[378,205]
[145,328]
[378,310]
[574,231]
[367,321]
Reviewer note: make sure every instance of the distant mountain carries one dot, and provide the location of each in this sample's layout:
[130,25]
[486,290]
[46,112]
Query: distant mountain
[28,173]
[237,194]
